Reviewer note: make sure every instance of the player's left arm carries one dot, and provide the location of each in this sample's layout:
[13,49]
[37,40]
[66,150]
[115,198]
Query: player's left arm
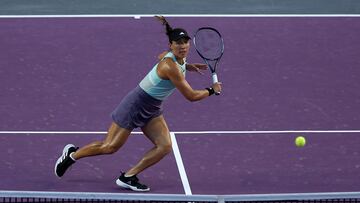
[196,67]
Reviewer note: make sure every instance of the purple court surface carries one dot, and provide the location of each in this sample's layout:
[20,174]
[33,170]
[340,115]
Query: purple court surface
[278,74]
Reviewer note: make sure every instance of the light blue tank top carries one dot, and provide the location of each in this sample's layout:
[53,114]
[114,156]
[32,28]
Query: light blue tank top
[155,86]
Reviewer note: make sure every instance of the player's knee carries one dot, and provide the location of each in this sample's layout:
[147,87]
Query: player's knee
[165,148]
[109,149]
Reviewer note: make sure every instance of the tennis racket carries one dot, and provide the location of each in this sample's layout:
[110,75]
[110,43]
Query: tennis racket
[209,44]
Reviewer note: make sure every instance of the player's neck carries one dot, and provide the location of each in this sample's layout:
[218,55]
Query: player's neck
[181,61]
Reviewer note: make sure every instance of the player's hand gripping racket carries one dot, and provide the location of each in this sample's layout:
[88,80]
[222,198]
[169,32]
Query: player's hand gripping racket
[209,44]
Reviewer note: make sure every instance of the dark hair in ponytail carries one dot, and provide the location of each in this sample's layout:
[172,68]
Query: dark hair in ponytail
[168,28]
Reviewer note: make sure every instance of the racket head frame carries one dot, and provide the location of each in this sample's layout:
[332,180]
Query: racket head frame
[208,60]
[222,43]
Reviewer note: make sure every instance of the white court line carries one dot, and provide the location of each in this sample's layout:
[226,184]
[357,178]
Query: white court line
[180,165]
[190,132]
[178,15]
[268,132]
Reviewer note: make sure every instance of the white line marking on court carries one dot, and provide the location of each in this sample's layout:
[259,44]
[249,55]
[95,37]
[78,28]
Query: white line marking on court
[138,16]
[189,132]
[180,165]
[57,132]
[268,132]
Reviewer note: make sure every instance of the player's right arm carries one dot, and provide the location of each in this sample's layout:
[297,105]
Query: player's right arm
[167,70]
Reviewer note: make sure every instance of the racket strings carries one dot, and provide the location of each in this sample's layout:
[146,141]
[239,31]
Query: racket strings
[209,43]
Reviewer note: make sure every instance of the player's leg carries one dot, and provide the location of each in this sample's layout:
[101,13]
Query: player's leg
[157,131]
[115,138]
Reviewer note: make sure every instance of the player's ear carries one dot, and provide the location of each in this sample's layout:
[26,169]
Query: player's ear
[170,45]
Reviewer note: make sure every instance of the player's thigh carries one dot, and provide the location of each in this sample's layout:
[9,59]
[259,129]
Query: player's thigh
[157,131]
[116,136]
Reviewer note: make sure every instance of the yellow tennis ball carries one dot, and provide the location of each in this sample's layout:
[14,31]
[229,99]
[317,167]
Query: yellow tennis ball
[300,141]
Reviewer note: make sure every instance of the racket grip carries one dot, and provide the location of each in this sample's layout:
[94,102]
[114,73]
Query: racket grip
[215,78]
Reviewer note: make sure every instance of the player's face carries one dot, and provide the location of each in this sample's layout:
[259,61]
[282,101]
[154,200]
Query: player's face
[180,48]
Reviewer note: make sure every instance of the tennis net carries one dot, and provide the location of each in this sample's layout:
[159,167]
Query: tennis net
[79,197]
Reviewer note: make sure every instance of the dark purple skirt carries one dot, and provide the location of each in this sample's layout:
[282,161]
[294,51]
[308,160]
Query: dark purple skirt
[136,109]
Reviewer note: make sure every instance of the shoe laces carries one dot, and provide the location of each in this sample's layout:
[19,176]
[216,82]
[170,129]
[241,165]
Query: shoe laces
[134,180]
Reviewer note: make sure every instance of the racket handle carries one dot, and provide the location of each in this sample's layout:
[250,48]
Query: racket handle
[215,78]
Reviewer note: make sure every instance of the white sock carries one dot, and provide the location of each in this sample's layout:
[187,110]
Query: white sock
[72,156]
[127,176]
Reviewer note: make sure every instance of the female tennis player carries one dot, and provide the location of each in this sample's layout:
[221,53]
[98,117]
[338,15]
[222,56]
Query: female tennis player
[142,108]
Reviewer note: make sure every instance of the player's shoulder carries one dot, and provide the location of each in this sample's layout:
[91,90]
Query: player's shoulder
[168,67]
[167,63]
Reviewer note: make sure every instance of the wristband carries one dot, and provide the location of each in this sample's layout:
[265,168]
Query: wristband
[211,90]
